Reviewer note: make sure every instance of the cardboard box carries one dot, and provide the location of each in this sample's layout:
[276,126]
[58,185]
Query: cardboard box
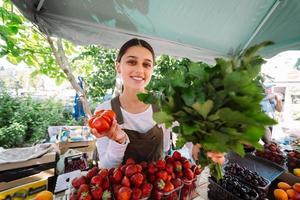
[84,146]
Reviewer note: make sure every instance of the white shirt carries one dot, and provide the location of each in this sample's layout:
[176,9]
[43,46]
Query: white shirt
[110,152]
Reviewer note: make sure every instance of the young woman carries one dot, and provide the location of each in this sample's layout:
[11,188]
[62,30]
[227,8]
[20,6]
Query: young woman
[134,133]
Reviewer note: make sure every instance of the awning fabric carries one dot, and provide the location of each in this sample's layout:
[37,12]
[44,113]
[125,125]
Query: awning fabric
[198,29]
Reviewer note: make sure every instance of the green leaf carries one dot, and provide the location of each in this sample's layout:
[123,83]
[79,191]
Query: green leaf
[254,49]
[188,96]
[239,148]
[226,66]
[236,80]
[228,115]
[189,129]
[146,98]
[163,117]
[203,109]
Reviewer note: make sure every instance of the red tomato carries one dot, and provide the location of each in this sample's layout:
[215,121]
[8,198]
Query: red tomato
[100,124]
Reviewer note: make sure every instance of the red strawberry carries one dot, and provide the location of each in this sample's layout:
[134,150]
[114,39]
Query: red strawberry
[188,174]
[183,159]
[97,180]
[84,188]
[176,182]
[169,177]
[125,181]
[146,189]
[151,168]
[85,196]
[198,170]
[161,164]
[176,155]
[130,170]
[73,197]
[158,195]
[139,168]
[177,166]
[136,194]
[186,164]
[103,173]
[106,195]
[130,161]
[76,182]
[123,168]
[137,179]
[169,159]
[117,176]
[92,172]
[151,178]
[159,184]
[116,188]
[168,186]
[178,174]
[124,193]
[111,171]
[96,192]
[162,174]
[144,164]
[105,183]
[169,168]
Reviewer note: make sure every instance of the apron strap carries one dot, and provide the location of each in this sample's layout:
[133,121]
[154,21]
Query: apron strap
[116,107]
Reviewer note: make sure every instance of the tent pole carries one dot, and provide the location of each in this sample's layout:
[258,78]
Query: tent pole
[40,5]
[264,20]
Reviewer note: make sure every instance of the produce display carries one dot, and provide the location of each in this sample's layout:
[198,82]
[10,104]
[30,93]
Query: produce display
[216,106]
[293,161]
[76,162]
[171,178]
[285,191]
[272,152]
[102,120]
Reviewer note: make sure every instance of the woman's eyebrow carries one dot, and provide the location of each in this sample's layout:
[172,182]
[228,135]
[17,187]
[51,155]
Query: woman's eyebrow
[148,60]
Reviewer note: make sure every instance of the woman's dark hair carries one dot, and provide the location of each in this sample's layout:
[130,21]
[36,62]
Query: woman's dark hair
[134,42]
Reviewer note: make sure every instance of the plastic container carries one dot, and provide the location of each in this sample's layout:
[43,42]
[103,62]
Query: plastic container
[293,160]
[172,195]
[273,156]
[76,162]
[216,192]
[188,190]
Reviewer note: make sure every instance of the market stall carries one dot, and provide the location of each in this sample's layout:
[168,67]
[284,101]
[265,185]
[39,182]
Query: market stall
[226,29]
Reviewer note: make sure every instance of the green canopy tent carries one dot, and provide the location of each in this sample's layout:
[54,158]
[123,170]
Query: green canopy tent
[198,29]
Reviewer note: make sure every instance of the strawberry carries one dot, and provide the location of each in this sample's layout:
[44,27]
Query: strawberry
[125,181]
[162,174]
[186,164]
[130,170]
[168,186]
[117,176]
[161,164]
[123,168]
[124,193]
[177,166]
[103,173]
[188,174]
[105,183]
[96,192]
[176,182]
[116,188]
[136,194]
[84,188]
[169,177]
[137,179]
[146,189]
[73,197]
[169,168]
[151,178]
[158,195]
[176,155]
[183,159]
[76,182]
[106,195]
[92,172]
[97,180]
[198,170]
[169,159]
[159,184]
[151,168]
[130,161]
[144,164]
[111,171]
[85,196]
[139,168]
[178,174]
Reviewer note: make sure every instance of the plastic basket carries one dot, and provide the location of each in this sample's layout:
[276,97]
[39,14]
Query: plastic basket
[273,156]
[172,195]
[293,161]
[216,192]
[188,190]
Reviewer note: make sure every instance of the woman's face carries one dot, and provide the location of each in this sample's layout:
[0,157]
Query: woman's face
[136,67]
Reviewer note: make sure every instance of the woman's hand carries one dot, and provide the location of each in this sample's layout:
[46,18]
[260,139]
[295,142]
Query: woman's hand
[214,156]
[114,133]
